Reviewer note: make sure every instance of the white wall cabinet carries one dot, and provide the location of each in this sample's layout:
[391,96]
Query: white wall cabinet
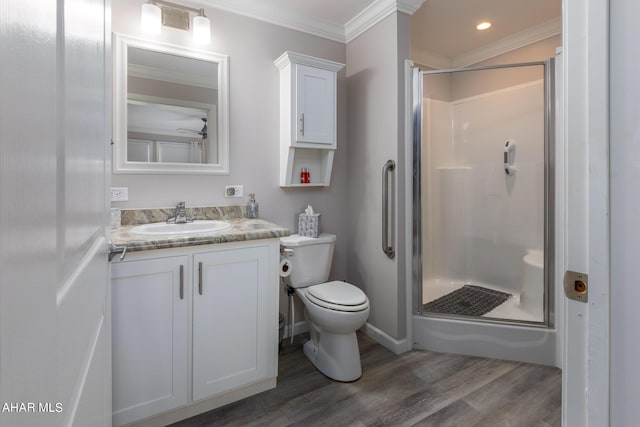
[308,111]
[315,106]
[193,329]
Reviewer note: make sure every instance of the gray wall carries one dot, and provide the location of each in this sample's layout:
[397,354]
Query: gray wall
[252,47]
[376,109]
[373,83]
[625,209]
[254,127]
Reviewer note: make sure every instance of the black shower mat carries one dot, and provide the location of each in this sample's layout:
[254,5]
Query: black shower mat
[467,301]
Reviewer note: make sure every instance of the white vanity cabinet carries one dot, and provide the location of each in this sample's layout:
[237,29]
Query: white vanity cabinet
[308,117]
[233,320]
[194,328]
[149,337]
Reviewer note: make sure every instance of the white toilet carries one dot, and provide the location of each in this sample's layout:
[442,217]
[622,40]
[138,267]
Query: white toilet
[333,310]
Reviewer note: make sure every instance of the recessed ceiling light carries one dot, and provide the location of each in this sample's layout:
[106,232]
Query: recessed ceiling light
[483,25]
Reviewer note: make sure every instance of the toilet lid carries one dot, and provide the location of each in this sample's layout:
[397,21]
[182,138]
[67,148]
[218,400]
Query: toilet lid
[338,296]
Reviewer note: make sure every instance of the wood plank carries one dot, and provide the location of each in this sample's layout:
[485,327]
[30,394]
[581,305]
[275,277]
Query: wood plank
[414,388]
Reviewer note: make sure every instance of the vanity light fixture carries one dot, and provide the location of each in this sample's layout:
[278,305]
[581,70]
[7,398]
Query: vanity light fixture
[153,17]
[485,25]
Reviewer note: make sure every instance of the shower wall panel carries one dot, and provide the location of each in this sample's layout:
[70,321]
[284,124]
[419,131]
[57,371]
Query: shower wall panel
[478,222]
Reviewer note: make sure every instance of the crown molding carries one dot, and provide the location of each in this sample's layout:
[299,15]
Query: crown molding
[529,36]
[409,6]
[368,17]
[430,59]
[375,13]
[262,11]
[298,58]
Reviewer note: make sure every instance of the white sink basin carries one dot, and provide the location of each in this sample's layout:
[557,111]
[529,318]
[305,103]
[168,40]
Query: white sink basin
[161,229]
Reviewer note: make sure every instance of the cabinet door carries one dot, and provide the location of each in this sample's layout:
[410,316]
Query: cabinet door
[234,320]
[315,105]
[149,336]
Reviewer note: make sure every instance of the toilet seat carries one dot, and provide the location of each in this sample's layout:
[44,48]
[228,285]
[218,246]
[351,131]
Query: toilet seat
[339,296]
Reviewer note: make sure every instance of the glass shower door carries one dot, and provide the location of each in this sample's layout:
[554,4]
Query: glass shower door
[483,192]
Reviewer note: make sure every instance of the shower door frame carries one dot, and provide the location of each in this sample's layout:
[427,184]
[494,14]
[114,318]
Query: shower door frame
[549,195]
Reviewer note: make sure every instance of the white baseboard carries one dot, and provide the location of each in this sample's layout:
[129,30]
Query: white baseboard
[298,328]
[198,407]
[395,345]
[386,340]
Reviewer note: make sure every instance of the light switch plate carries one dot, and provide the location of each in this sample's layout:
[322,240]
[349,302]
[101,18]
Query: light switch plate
[119,194]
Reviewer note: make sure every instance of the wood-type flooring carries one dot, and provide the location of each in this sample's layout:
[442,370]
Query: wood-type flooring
[419,388]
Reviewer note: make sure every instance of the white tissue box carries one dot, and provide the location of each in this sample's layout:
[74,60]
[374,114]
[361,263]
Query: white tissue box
[308,224]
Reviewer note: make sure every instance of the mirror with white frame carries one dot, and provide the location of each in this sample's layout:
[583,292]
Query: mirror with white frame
[170,109]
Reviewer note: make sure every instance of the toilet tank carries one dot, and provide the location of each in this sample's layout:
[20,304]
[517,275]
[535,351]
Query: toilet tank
[311,258]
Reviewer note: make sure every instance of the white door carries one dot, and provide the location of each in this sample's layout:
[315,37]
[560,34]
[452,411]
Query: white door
[586,341]
[54,299]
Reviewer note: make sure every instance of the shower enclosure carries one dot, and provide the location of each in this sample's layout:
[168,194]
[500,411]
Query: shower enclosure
[483,201]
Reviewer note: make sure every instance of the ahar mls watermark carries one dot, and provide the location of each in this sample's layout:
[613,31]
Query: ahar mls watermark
[31,407]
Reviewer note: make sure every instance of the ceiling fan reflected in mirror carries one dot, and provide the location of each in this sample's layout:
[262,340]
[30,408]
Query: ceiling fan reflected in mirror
[202,132]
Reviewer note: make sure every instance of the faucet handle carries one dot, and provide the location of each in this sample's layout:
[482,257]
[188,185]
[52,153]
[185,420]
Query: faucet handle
[180,205]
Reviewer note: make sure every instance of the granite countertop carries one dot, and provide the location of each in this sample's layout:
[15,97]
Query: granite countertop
[242,229]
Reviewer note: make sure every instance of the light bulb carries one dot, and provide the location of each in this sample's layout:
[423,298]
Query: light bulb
[151,18]
[483,26]
[201,29]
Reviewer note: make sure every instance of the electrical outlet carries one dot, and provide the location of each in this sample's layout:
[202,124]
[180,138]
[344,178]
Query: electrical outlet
[119,194]
[234,191]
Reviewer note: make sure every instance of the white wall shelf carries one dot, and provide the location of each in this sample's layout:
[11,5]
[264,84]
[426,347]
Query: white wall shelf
[318,161]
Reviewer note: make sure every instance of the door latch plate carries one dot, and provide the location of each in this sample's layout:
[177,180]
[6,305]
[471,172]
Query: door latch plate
[576,286]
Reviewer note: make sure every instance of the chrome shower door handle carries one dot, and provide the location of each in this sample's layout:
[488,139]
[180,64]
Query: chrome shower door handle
[388,167]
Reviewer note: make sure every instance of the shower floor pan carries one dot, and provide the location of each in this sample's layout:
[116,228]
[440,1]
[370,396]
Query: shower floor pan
[509,310]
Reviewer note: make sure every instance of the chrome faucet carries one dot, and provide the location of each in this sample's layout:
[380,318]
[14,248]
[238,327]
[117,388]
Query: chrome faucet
[180,215]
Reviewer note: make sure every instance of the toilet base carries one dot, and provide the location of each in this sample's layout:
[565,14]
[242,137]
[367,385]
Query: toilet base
[335,355]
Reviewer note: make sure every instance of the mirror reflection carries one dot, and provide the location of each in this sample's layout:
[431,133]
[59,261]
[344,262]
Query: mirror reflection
[170,109]
[171,105]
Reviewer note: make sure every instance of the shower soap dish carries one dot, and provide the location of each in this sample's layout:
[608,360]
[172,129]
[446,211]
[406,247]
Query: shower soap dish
[308,223]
